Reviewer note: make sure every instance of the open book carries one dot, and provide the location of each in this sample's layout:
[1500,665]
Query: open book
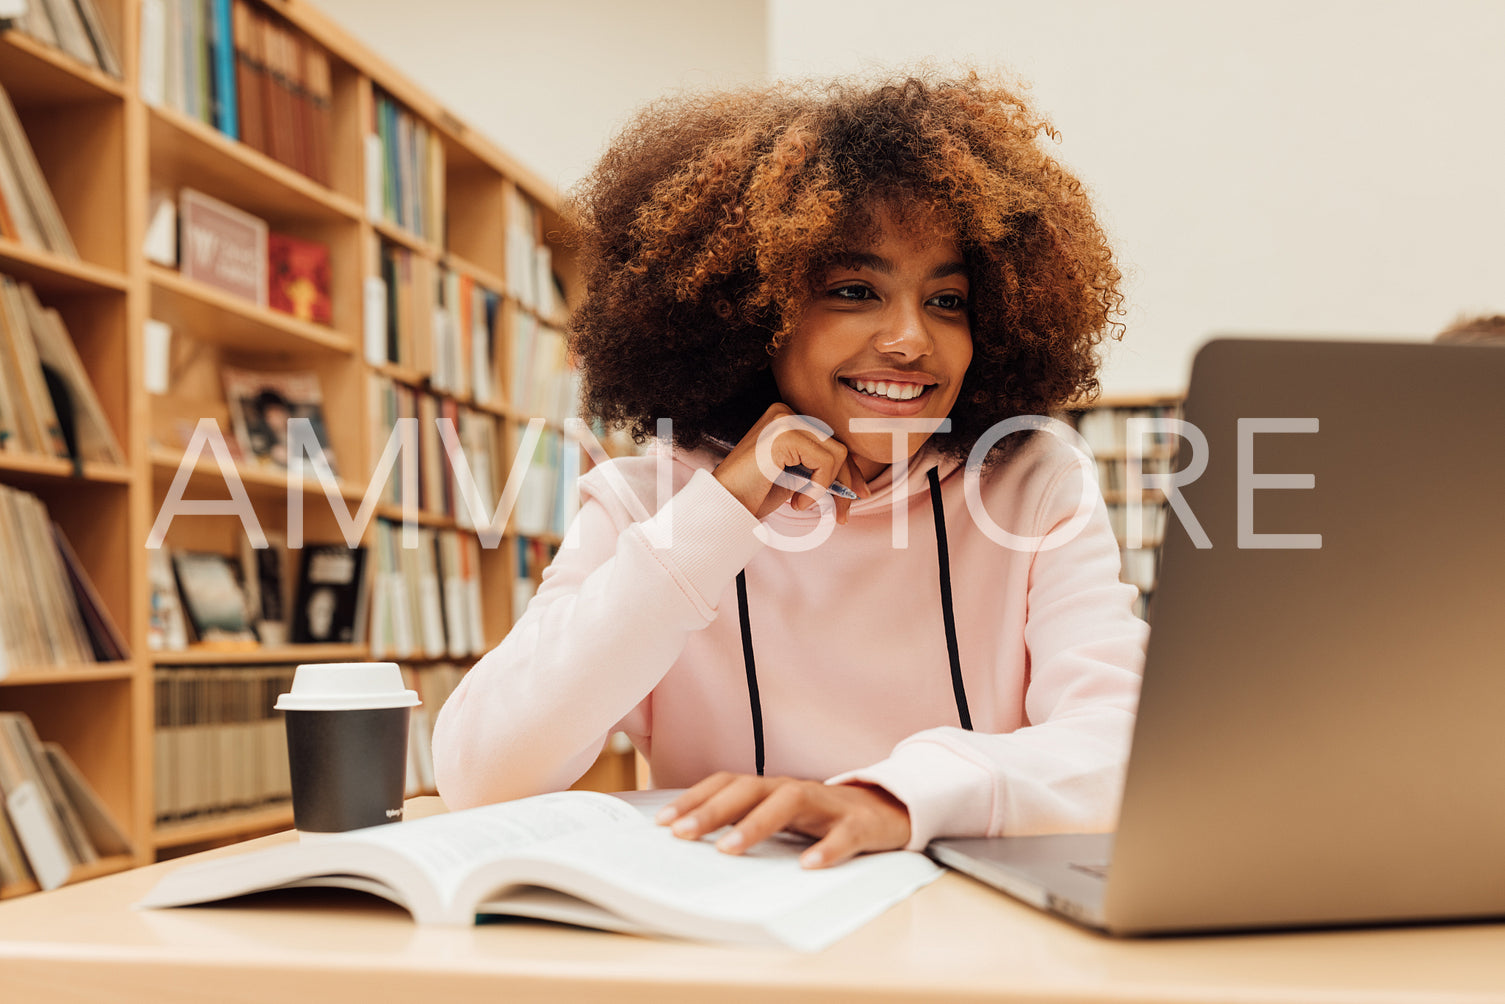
[580,858]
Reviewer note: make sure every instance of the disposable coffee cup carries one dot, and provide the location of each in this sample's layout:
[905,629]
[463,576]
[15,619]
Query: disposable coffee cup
[347,745]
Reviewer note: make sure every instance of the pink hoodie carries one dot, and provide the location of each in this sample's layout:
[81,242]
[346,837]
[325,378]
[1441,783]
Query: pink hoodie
[634,632]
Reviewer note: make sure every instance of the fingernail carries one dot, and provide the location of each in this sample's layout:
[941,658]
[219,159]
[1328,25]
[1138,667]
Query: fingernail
[731,843]
[666,815]
[684,827]
[812,859]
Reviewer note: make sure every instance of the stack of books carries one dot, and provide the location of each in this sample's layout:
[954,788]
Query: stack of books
[404,170]
[426,600]
[433,684]
[230,65]
[219,744]
[28,212]
[75,27]
[52,823]
[50,614]
[48,406]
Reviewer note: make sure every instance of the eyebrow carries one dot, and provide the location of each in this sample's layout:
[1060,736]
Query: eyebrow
[880,264]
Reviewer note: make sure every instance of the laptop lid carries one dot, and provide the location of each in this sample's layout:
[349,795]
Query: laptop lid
[1321,733]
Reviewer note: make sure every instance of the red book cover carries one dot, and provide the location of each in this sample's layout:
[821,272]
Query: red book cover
[298,277]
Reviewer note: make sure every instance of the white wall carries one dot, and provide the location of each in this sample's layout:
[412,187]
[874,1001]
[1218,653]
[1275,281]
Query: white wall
[551,80]
[1283,167]
[1321,167]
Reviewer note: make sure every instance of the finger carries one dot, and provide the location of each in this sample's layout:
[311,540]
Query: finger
[726,806]
[694,795]
[787,804]
[842,505]
[776,497]
[853,479]
[845,840]
[824,460]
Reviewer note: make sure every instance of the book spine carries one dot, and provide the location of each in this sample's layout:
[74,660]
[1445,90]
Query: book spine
[226,103]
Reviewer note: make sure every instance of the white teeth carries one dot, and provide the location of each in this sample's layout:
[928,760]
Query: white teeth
[892,391]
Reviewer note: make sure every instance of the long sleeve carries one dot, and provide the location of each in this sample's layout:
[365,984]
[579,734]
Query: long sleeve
[1063,771]
[610,618]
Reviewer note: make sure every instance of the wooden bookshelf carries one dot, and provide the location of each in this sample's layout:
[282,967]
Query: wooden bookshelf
[1139,565]
[103,150]
[218,828]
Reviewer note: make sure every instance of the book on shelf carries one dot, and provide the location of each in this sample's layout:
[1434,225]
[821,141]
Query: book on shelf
[261,406]
[407,313]
[298,277]
[58,821]
[28,419]
[214,596]
[533,556]
[433,683]
[235,66]
[65,407]
[579,857]
[521,249]
[264,572]
[477,438]
[166,625]
[105,637]
[544,383]
[224,110]
[75,27]
[404,170]
[218,745]
[28,212]
[330,603]
[549,496]
[40,622]
[160,245]
[426,599]
[222,247]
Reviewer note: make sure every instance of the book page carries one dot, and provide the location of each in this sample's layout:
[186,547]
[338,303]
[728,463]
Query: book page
[690,889]
[446,848]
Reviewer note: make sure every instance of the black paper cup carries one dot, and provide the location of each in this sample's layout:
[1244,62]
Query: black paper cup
[347,745]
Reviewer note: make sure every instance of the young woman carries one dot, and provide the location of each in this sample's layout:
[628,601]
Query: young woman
[874,282]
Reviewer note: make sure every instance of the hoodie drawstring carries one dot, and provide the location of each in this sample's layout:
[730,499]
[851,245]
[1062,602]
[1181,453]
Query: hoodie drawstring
[948,615]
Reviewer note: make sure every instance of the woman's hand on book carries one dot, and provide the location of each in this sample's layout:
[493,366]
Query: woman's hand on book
[791,441]
[848,819]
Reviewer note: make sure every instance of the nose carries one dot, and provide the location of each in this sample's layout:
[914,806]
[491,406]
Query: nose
[904,333]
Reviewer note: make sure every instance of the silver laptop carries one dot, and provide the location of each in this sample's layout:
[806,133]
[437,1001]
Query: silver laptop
[1321,732]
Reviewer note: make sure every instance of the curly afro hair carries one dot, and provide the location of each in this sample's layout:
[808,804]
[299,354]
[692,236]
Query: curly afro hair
[705,225]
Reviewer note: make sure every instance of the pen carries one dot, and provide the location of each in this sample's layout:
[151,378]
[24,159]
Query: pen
[794,470]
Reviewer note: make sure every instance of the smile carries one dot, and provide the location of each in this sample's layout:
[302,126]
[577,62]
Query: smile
[891,391]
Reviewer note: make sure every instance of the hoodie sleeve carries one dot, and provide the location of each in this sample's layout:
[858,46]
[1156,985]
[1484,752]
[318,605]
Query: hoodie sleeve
[612,614]
[1063,772]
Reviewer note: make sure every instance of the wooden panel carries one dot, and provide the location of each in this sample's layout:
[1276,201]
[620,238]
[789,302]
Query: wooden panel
[79,147]
[92,721]
[185,152]
[36,73]
[474,199]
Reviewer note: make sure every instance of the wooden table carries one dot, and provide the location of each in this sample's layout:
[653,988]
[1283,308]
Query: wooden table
[955,940]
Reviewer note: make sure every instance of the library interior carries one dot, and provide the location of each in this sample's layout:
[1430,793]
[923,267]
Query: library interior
[291,374]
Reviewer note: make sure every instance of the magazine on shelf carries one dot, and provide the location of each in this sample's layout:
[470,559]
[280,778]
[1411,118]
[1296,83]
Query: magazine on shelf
[331,600]
[576,857]
[214,596]
[261,406]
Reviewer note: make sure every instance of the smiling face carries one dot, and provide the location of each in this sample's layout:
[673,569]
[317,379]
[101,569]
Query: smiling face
[886,335]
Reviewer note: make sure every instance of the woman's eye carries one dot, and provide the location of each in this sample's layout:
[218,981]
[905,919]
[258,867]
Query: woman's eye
[950,301]
[852,292]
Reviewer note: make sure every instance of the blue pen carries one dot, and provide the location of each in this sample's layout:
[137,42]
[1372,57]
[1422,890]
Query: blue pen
[799,471]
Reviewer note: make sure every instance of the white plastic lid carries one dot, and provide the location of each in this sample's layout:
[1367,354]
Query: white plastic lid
[347,686]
